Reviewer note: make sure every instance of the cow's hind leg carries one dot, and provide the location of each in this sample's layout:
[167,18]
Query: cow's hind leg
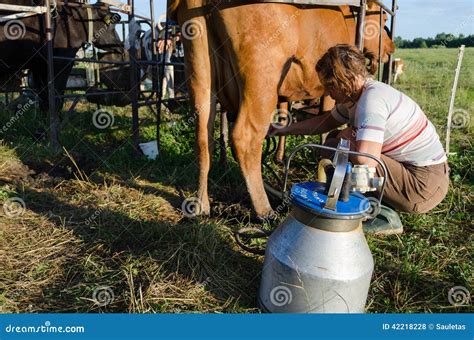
[282,119]
[223,140]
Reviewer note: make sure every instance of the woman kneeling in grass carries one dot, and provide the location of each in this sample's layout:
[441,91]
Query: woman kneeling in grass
[385,123]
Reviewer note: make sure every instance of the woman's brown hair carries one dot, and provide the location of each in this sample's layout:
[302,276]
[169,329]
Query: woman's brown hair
[340,67]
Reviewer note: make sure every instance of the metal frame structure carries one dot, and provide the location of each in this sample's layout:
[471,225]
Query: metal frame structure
[158,67]
[135,93]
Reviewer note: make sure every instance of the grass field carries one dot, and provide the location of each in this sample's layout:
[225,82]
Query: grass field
[103,231]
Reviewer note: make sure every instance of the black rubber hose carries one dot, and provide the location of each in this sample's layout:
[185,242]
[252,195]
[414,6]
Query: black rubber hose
[251,233]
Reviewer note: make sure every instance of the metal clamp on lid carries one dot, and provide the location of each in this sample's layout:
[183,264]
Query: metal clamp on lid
[340,165]
[343,180]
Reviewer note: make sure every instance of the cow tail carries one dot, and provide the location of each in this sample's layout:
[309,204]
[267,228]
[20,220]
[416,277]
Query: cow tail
[372,61]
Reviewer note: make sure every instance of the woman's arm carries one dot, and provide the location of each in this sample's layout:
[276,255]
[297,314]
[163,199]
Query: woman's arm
[373,148]
[313,126]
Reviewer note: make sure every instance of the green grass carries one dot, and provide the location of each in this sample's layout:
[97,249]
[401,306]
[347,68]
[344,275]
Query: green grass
[98,217]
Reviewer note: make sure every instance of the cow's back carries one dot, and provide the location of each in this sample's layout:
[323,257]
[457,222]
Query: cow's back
[264,34]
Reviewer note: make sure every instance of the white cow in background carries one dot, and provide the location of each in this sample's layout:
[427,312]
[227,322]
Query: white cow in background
[397,68]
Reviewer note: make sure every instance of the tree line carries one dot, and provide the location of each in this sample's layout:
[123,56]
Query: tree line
[440,41]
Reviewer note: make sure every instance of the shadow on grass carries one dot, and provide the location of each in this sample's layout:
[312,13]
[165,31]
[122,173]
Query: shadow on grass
[201,253]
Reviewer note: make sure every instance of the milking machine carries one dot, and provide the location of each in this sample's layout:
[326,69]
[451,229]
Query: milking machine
[318,260]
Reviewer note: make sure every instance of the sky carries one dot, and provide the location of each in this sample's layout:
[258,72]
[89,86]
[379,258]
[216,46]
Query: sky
[416,18]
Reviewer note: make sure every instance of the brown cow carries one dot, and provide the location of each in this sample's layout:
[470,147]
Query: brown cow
[247,56]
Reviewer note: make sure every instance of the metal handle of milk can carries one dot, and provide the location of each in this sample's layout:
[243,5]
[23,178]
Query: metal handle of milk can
[348,152]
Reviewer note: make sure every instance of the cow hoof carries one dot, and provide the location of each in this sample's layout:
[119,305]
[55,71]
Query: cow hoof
[268,217]
[204,208]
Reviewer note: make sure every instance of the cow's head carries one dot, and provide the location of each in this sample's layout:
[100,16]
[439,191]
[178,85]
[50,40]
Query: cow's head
[372,33]
[89,24]
[105,34]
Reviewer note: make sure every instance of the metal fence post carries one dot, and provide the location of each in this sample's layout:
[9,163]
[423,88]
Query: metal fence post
[381,29]
[388,69]
[453,97]
[361,25]
[154,52]
[134,84]
[161,74]
[53,114]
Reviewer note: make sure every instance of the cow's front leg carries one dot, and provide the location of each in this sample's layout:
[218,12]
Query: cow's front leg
[252,125]
[205,111]
[199,80]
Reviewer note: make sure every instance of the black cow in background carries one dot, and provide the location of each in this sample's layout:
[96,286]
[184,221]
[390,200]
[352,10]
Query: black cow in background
[23,42]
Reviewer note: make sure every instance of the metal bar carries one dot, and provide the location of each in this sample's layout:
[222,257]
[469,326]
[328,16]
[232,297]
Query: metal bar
[93,61]
[381,29]
[122,6]
[134,84]
[80,4]
[53,114]
[18,8]
[361,25]
[453,97]
[124,36]
[165,100]
[153,28]
[96,69]
[340,162]
[17,16]
[90,94]
[160,86]
[155,74]
[392,36]
[98,4]
[145,62]
[316,2]
[382,5]
[154,54]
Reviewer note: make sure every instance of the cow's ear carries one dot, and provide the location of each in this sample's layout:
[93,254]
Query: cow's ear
[103,11]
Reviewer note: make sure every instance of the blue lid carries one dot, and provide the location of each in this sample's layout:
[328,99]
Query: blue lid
[310,195]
